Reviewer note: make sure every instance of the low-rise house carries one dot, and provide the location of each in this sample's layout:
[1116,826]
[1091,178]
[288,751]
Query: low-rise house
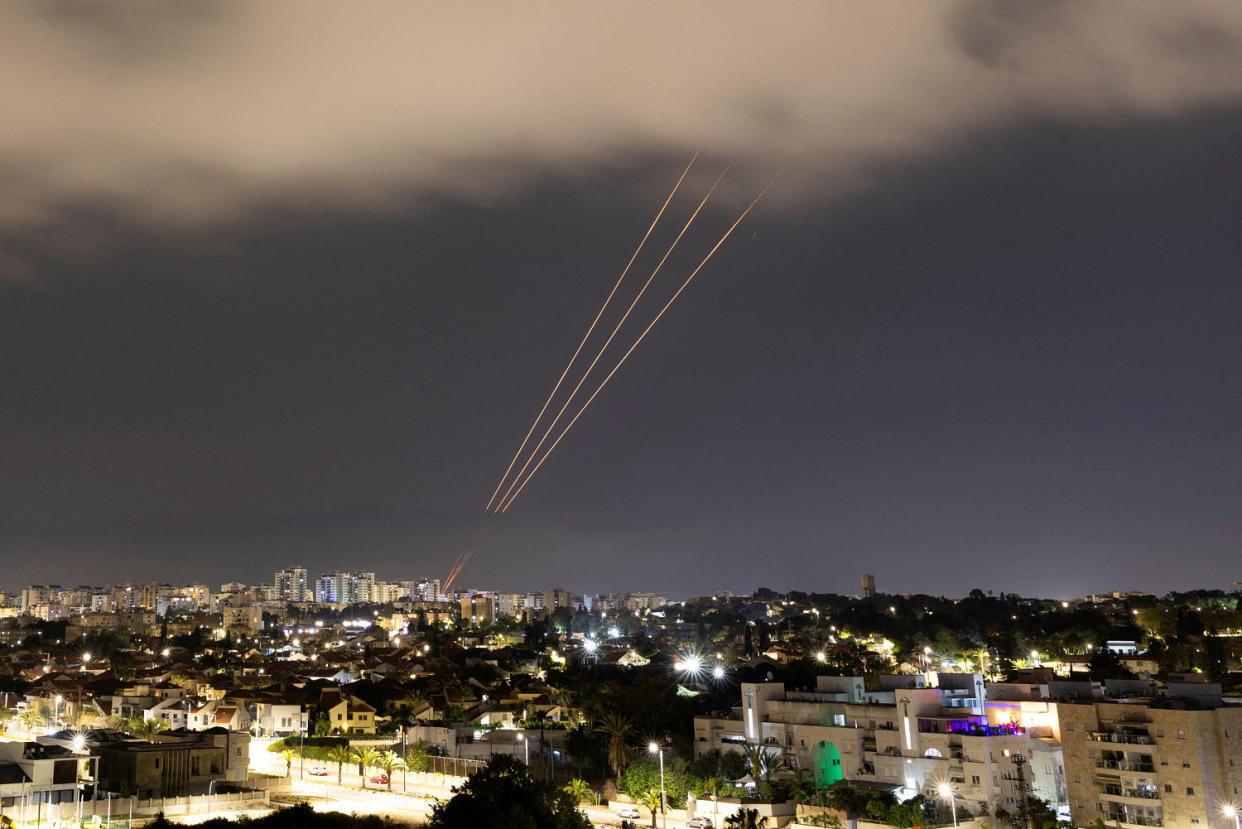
[50,772]
[218,714]
[346,713]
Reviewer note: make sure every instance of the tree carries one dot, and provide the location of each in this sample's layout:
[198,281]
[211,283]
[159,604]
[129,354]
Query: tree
[746,819]
[289,755]
[619,730]
[502,796]
[389,761]
[323,726]
[365,757]
[416,757]
[762,761]
[32,718]
[650,800]
[580,790]
[340,754]
[146,729]
[6,714]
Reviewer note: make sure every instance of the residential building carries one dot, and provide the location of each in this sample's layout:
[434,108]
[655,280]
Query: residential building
[291,584]
[1171,759]
[347,714]
[45,774]
[903,736]
[478,609]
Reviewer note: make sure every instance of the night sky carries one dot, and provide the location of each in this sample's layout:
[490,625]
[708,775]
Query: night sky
[282,288]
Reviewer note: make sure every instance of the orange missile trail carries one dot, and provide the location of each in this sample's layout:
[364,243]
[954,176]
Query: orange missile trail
[590,329]
[511,498]
[461,562]
[534,452]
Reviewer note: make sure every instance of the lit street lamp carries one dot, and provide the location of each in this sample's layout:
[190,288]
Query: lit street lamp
[946,793]
[1230,810]
[656,749]
[525,748]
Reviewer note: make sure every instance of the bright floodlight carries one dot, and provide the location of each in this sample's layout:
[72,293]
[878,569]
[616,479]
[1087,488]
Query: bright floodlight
[79,743]
[653,748]
[165,652]
[691,664]
[86,657]
[1230,810]
[614,632]
[590,645]
[927,649]
[945,790]
[820,656]
[718,672]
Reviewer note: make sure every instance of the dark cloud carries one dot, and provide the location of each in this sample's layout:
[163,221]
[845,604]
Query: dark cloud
[181,113]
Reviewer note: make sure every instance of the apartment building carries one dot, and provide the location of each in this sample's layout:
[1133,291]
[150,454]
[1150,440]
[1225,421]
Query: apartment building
[291,584]
[1143,757]
[903,736]
[478,608]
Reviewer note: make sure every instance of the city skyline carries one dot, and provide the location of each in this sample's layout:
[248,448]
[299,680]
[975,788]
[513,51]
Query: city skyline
[981,332]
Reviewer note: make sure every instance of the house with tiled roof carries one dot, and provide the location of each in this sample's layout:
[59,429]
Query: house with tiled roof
[218,714]
[346,713]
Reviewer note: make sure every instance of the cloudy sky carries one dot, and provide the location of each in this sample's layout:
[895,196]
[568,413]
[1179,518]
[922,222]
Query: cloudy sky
[286,282]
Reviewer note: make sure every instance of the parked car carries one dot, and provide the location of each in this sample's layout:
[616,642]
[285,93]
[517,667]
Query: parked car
[318,771]
[629,812]
[380,778]
[699,823]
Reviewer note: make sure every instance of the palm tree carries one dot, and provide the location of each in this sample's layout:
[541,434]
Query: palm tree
[714,786]
[289,755]
[541,717]
[761,761]
[146,729]
[31,718]
[365,757]
[340,755]
[389,761]
[619,730]
[746,819]
[650,800]
[415,701]
[580,791]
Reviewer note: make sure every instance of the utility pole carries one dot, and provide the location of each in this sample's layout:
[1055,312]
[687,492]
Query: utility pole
[1019,777]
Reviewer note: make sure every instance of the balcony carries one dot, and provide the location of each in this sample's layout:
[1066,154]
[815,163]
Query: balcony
[1122,819]
[1124,765]
[1113,790]
[1126,739]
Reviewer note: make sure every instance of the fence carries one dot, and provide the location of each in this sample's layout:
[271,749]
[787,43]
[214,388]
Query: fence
[453,766]
[190,805]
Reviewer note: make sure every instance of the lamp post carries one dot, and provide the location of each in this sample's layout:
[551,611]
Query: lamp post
[56,716]
[946,793]
[659,750]
[525,748]
[1230,810]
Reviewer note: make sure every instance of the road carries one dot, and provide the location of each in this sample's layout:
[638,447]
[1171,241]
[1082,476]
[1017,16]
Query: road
[411,799]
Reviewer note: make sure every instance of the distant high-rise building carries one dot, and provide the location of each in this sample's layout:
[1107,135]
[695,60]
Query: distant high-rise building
[428,590]
[557,597]
[478,609]
[868,586]
[345,588]
[290,584]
